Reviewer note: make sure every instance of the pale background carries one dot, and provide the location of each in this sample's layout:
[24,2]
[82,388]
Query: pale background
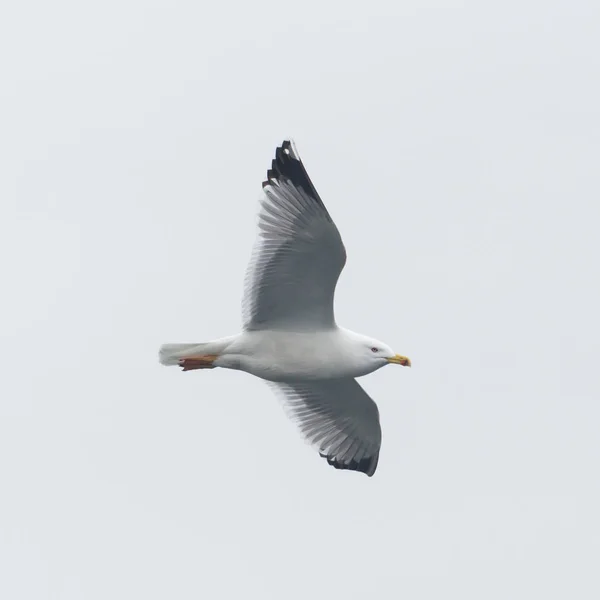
[455,143]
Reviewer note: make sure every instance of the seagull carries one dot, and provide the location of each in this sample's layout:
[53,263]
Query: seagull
[290,337]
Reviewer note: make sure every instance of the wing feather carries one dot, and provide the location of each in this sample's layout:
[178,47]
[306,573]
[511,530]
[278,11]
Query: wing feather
[338,418]
[299,254]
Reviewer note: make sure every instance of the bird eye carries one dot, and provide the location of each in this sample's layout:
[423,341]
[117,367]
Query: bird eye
[373,349]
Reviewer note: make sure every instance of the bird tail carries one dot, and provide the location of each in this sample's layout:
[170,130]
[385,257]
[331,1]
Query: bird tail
[171,354]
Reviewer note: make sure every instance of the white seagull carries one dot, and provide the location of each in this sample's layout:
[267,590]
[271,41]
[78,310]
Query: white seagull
[290,337]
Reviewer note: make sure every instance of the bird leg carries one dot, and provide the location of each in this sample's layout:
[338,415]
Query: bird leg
[204,361]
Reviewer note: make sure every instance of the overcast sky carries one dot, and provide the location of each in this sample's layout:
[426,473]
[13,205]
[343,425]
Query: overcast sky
[456,144]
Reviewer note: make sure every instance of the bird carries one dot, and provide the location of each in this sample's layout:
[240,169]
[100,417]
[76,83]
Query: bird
[290,337]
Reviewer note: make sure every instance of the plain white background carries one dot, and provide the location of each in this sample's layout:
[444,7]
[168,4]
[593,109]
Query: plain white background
[455,144]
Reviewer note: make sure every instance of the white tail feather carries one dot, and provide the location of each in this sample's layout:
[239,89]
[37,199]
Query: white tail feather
[170,354]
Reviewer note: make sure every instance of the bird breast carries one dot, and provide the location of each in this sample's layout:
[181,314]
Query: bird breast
[293,356]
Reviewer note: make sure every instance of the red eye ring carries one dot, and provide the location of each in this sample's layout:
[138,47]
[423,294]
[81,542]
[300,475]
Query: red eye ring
[373,349]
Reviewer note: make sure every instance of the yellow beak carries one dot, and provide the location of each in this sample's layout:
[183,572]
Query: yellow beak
[399,360]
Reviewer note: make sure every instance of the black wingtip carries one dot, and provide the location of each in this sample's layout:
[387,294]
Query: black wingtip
[366,465]
[287,167]
[271,176]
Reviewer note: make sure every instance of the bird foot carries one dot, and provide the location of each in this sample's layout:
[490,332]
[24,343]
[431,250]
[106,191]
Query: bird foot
[198,362]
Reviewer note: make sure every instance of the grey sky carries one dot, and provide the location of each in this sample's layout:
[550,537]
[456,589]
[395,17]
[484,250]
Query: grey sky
[455,144]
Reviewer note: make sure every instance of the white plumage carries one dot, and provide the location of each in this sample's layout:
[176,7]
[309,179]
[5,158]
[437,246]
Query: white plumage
[290,337]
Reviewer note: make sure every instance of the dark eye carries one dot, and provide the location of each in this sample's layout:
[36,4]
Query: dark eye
[373,349]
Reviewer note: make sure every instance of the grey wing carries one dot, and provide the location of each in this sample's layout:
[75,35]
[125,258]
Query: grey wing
[299,254]
[338,418]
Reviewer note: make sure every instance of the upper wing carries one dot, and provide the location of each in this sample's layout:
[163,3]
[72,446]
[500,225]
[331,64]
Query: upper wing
[338,418]
[299,254]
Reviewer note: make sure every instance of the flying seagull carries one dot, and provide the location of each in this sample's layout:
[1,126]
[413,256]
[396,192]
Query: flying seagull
[290,337]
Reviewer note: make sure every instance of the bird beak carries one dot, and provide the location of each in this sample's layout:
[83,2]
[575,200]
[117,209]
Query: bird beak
[399,360]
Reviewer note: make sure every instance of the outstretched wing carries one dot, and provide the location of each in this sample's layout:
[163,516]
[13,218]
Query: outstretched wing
[298,256]
[338,418]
